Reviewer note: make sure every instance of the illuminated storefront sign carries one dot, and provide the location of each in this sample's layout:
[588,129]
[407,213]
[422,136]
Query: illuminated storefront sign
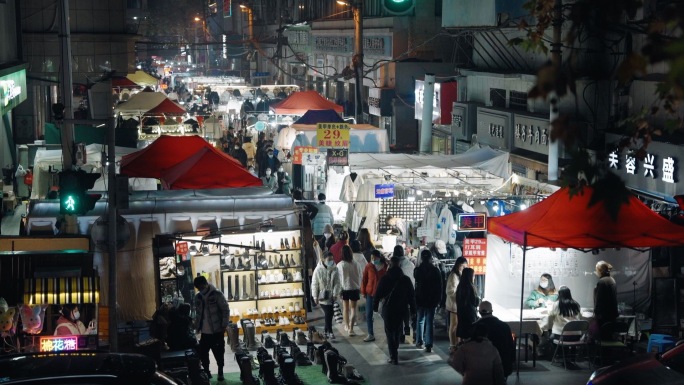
[12,90]
[58,344]
[648,168]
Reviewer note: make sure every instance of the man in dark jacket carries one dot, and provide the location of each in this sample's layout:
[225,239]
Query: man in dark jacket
[239,154]
[211,320]
[428,294]
[499,333]
[396,293]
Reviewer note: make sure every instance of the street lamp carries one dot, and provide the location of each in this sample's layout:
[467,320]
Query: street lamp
[357,59]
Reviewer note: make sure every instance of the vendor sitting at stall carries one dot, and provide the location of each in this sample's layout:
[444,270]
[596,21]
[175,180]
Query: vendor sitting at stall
[544,294]
[68,323]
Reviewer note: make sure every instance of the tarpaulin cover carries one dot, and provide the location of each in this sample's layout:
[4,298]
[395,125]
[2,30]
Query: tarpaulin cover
[143,102]
[143,78]
[320,116]
[300,102]
[208,168]
[567,220]
[187,162]
[164,153]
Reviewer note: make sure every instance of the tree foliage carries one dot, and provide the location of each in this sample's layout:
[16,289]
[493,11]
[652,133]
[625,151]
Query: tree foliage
[584,20]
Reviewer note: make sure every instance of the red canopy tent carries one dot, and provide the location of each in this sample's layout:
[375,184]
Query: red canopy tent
[567,220]
[166,107]
[208,168]
[300,102]
[164,153]
[571,219]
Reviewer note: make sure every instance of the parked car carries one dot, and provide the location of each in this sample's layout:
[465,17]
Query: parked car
[652,368]
[81,367]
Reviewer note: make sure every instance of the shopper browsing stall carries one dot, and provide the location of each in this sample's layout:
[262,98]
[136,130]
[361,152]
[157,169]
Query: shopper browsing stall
[350,278]
[467,301]
[211,320]
[323,217]
[428,294]
[499,333]
[372,273]
[336,249]
[407,268]
[325,288]
[605,299]
[478,361]
[564,310]
[544,295]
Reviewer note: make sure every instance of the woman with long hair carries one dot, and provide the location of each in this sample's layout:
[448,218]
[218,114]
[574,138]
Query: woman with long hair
[336,249]
[467,302]
[350,277]
[544,294]
[564,310]
[325,288]
[452,284]
[367,246]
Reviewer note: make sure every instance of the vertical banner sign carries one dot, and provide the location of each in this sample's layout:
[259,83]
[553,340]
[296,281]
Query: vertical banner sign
[384,191]
[475,250]
[332,135]
[299,151]
[338,157]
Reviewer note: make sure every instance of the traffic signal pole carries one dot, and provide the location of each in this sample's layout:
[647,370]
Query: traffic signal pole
[66,87]
[111,235]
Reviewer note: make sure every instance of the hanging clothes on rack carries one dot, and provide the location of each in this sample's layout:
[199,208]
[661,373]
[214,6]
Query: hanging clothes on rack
[439,220]
[350,187]
[367,206]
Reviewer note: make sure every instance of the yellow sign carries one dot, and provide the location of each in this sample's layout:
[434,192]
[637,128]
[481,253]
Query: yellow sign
[332,135]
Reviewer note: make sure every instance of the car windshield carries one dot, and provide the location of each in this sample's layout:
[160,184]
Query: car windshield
[674,358]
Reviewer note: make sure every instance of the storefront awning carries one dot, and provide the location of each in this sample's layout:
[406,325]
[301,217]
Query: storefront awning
[62,290]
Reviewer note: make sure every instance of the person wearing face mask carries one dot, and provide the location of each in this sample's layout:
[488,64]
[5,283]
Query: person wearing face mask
[270,181]
[328,237]
[543,294]
[325,288]
[284,182]
[272,161]
[372,274]
[69,323]
[239,154]
[323,217]
[251,170]
[211,320]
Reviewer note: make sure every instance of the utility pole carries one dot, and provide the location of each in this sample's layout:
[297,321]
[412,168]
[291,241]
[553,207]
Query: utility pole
[66,86]
[357,60]
[553,101]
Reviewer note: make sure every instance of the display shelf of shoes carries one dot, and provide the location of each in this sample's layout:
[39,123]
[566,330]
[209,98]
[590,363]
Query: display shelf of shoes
[267,271]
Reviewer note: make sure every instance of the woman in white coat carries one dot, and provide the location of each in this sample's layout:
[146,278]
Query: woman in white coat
[452,284]
[325,289]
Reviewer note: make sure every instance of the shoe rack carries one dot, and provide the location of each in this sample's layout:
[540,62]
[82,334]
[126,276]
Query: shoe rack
[262,280]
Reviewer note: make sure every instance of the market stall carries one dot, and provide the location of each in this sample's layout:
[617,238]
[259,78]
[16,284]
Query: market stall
[298,103]
[48,163]
[581,220]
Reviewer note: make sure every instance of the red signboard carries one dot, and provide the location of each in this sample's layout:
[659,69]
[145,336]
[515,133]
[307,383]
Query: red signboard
[181,248]
[475,251]
[299,150]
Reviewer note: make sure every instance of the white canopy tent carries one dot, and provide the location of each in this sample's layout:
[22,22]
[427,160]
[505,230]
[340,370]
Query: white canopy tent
[51,160]
[140,103]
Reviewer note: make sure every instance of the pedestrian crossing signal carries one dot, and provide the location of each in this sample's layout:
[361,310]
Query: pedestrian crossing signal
[399,7]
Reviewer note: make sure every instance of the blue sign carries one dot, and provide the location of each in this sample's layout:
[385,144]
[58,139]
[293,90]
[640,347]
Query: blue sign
[260,126]
[384,191]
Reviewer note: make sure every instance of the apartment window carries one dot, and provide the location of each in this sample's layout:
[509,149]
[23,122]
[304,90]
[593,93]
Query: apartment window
[497,97]
[518,101]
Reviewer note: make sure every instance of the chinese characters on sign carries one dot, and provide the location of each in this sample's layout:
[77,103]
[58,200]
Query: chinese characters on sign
[384,191]
[58,344]
[475,250]
[182,248]
[332,135]
[472,222]
[338,157]
[533,135]
[299,151]
[313,159]
[667,171]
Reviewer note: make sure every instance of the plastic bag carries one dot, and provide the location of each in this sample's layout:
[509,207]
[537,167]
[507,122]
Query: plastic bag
[20,172]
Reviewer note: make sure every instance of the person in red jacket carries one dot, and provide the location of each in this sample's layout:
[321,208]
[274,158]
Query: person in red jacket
[336,249]
[369,283]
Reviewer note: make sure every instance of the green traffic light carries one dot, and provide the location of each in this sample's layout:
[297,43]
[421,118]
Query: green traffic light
[399,1]
[70,204]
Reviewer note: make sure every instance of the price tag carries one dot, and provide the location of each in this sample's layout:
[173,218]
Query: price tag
[332,135]
[423,231]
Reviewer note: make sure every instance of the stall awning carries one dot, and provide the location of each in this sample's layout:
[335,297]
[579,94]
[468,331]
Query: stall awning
[62,290]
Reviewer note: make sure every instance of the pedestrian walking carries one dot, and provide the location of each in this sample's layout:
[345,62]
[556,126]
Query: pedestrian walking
[351,288]
[372,274]
[428,295]
[211,320]
[325,289]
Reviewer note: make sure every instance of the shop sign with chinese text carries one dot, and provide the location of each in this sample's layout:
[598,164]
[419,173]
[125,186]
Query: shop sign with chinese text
[384,191]
[338,157]
[471,222]
[311,159]
[58,344]
[332,135]
[651,167]
[475,251]
[299,151]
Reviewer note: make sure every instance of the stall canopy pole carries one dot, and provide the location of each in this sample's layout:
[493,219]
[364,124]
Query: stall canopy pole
[522,301]
[111,234]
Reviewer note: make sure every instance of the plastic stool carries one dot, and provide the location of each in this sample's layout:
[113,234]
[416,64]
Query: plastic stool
[659,343]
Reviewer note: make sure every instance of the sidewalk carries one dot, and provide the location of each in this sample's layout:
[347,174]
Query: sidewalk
[416,366]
